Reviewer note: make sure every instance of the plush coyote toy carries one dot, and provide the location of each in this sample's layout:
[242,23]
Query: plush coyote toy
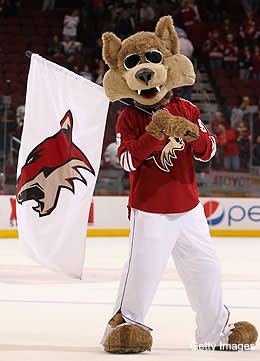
[166,217]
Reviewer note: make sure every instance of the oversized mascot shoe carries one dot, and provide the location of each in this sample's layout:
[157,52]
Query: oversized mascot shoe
[127,338]
[241,336]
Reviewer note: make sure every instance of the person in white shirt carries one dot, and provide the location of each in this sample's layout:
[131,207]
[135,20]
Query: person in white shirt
[146,12]
[71,24]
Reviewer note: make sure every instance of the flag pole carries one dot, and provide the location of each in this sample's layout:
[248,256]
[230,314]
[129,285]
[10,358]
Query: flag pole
[29,53]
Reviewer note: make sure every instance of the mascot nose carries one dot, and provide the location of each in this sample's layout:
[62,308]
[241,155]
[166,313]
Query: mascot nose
[145,75]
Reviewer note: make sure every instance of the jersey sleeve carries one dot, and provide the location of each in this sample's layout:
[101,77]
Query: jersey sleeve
[204,148]
[132,148]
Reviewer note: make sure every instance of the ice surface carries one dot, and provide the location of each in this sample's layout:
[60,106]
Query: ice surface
[47,316]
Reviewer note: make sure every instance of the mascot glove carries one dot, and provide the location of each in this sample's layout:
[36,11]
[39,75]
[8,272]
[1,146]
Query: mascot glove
[178,126]
[158,124]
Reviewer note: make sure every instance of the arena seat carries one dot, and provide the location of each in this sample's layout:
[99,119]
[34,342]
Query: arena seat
[245,92]
[228,92]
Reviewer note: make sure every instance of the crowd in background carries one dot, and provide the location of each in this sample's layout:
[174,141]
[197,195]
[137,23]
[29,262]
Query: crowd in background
[78,47]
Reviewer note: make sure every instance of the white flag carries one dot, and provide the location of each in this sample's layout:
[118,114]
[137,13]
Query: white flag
[58,164]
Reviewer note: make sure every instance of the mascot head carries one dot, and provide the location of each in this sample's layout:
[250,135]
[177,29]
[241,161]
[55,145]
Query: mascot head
[145,66]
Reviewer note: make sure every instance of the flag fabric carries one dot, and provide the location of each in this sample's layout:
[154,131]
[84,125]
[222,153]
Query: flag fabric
[58,163]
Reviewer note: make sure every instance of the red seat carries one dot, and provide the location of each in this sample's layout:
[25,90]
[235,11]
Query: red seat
[23,77]
[221,73]
[27,30]
[245,92]
[38,49]
[43,31]
[17,58]
[11,68]
[228,92]
[232,101]
[18,88]
[18,99]
[257,92]
[13,77]
[223,82]
[253,83]
[3,58]
[238,83]
[4,87]
[24,68]
[13,29]
[18,48]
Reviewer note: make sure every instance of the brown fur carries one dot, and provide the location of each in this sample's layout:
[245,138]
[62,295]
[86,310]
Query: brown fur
[244,333]
[173,126]
[176,70]
[128,338]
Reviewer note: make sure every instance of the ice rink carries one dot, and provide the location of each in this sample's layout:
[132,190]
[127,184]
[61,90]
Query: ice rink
[46,316]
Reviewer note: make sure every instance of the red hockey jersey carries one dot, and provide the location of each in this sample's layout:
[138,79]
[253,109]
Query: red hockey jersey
[162,175]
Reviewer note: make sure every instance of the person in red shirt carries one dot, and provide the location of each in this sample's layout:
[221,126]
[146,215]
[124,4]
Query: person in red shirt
[243,140]
[187,14]
[214,47]
[249,31]
[230,54]
[219,120]
[256,63]
[228,141]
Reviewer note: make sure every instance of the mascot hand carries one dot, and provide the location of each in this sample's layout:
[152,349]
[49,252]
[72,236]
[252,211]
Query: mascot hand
[178,126]
[157,126]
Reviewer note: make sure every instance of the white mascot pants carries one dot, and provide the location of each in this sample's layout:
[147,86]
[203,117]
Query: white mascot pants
[185,236]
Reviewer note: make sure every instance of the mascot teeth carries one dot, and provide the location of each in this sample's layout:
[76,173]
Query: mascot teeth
[158,89]
[139,92]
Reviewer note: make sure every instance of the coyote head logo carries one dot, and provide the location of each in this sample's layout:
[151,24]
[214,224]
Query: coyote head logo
[50,166]
[164,158]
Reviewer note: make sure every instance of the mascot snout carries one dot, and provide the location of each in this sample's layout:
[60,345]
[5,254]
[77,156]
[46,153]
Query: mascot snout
[144,75]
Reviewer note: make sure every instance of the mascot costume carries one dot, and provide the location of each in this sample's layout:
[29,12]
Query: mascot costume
[166,217]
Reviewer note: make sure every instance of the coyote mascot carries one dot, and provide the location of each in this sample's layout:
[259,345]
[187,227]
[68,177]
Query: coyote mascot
[166,217]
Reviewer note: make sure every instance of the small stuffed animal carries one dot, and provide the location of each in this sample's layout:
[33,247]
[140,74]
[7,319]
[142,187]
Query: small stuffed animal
[166,217]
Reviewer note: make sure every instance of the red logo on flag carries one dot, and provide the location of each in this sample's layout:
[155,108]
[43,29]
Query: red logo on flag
[52,165]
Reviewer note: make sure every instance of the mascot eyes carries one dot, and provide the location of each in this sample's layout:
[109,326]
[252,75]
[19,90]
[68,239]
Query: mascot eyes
[153,56]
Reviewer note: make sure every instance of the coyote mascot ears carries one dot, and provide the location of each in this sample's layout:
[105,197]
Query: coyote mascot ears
[145,66]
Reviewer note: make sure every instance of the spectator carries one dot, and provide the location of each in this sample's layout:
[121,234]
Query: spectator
[48,5]
[146,13]
[215,8]
[228,28]
[111,155]
[215,49]
[180,31]
[69,47]
[55,48]
[187,14]
[228,142]
[245,65]
[243,140]
[71,23]
[230,55]
[256,152]
[256,63]
[69,63]
[250,5]
[185,45]
[100,72]
[249,31]
[125,25]
[97,53]
[219,120]
[86,73]
[194,6]
[98,7]
[239,113]
[186,48]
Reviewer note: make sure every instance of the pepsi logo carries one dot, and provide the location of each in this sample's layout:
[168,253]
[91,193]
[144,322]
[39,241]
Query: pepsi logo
[214,212]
